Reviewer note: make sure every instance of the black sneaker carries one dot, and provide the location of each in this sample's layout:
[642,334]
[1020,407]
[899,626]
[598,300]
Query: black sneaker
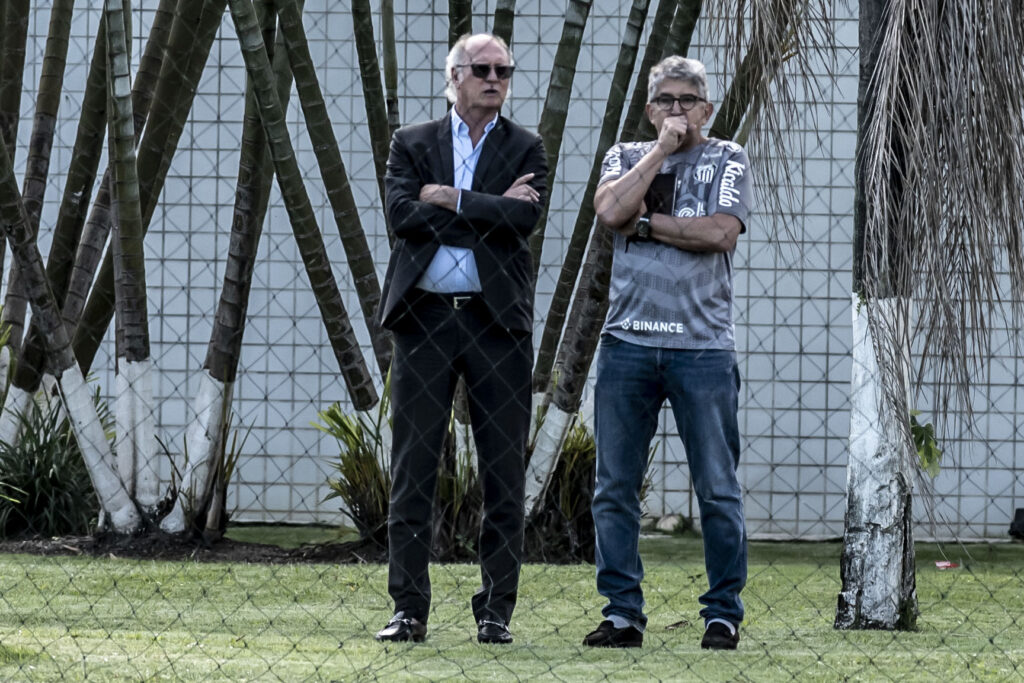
[717,636]
[607,635]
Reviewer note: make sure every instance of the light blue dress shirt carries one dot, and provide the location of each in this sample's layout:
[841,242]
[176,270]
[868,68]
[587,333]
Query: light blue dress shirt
[453,269]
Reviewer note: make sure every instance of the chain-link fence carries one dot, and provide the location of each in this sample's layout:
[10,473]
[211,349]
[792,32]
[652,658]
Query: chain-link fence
[299,585]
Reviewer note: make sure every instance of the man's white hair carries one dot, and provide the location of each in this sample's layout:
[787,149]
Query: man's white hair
[457,56]
[680,69]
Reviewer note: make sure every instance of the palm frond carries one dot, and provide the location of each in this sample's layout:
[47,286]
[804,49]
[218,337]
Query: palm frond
[942,154]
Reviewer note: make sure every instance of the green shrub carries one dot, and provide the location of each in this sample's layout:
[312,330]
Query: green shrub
[212,516]
[562,529]
[364,482]
[46,486]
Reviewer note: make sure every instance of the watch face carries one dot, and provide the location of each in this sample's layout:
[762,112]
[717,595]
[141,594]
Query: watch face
[643,229]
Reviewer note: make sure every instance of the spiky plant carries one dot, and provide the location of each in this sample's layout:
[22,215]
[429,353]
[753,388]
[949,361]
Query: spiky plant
[45,484]
[364,482]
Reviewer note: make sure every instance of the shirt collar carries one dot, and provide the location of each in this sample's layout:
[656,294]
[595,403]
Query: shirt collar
[460,127]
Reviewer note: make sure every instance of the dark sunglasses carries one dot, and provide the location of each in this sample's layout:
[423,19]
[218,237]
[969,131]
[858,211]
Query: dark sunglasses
[686,102]
[481,71]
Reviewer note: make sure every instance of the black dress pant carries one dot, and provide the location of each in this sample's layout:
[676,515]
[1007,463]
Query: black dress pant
[437,340]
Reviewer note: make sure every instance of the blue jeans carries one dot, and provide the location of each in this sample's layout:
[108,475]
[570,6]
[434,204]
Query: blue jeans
[703,388]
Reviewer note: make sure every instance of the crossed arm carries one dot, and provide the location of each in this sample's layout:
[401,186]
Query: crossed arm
[428,211]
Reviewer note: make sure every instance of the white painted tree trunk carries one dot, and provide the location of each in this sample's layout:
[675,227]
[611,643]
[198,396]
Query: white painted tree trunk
[136,432]
[5,364]
[877,566]
[202,440]
[15,404]
[546,446]
[114,498]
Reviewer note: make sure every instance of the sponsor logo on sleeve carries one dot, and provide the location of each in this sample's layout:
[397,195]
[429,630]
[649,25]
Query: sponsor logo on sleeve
[612,165]
[728,193]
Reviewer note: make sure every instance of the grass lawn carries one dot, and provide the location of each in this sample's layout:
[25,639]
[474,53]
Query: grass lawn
[114,619]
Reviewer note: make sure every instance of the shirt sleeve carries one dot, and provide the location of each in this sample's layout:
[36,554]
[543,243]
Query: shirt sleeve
[733,189]
[612,166]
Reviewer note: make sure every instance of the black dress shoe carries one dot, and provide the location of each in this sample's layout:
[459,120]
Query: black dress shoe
[717,636]
[607,635]
[493,632]
[403,629]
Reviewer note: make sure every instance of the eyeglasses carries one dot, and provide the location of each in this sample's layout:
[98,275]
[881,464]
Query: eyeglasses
[482,71]
[686,102]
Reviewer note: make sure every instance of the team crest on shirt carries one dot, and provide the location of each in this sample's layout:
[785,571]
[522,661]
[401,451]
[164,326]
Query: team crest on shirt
[690,212]
[704,173]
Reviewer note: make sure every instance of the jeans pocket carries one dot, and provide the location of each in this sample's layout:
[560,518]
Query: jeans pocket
[609,340]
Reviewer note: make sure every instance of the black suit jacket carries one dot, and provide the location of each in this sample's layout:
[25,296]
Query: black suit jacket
[494,227]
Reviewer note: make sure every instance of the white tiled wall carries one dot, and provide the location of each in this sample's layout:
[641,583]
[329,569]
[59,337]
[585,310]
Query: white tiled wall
[793,288]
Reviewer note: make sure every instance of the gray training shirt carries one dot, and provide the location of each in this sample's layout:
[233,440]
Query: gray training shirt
[668,297]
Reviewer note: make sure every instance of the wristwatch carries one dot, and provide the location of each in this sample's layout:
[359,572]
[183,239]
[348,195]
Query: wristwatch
[643,228]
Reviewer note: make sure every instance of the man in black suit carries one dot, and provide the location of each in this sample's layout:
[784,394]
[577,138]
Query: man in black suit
[463,194]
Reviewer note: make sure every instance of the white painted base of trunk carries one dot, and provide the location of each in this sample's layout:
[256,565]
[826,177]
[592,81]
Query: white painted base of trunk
[96,451]
[547,446]
[136,431]
[879,488]
[5,364]
[202,439]
[464,444]
[15,405]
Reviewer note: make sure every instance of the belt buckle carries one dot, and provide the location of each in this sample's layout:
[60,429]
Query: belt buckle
[460,301]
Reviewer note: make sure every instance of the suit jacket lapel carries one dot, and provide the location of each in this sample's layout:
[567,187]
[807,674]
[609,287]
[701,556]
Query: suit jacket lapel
[445,151]
[492,145]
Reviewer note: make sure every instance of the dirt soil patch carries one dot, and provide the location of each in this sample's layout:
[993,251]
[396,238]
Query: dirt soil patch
[161,546]
[184,547]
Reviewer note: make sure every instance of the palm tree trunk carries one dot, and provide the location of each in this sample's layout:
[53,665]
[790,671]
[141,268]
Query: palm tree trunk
[556,105]
[681,31]
[332,170]
[14,15]
[212,405]
[37,163]
[585,217]
[81,176]
[192,37]
[652,54]
[460,19]
[390,58]
[12,69]
[504,19]
[75,395]
[758,67]
[88,145]
[307,235]
[373,93]
[578,346]
[136,428]
[877,564]
[85,160]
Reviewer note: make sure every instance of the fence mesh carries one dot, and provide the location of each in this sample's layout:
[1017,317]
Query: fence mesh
[295,591]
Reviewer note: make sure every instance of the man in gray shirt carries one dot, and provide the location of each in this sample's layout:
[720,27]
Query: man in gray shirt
[669,335]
